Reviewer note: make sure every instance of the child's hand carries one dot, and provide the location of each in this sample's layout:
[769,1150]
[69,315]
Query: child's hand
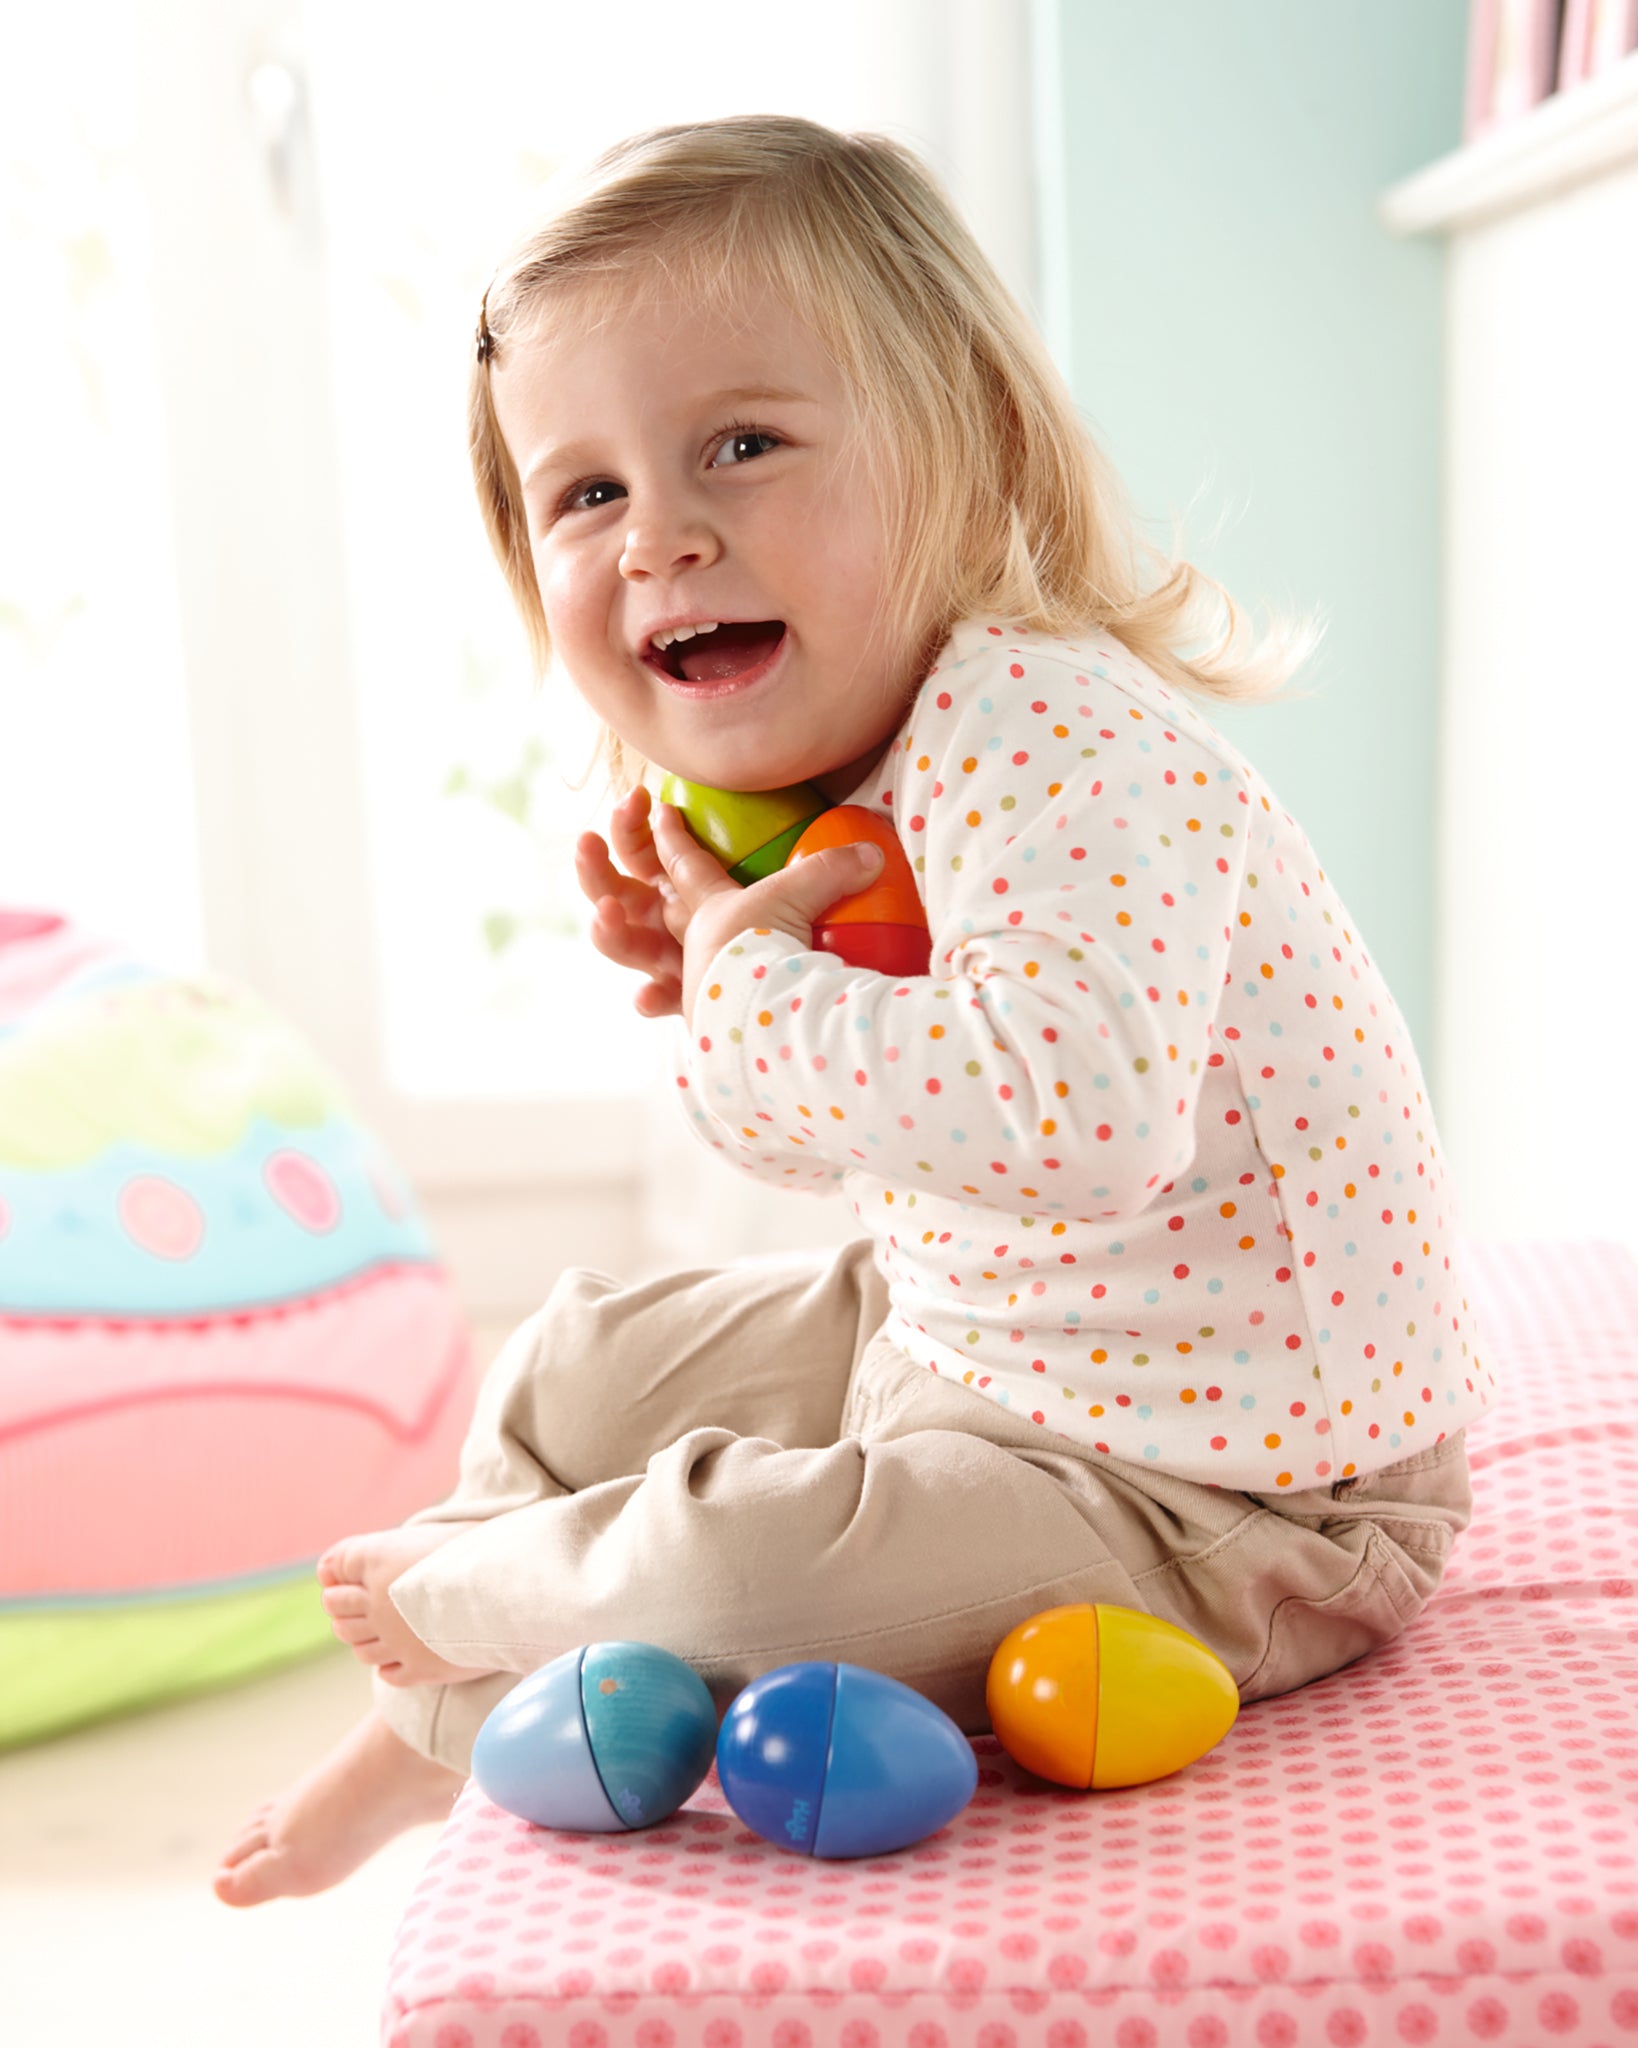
[712,907]
[637,921]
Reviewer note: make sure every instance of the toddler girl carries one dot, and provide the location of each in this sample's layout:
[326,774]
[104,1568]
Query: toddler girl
[1156,1300]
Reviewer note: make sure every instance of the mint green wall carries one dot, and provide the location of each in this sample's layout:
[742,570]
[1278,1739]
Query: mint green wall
[1235,323]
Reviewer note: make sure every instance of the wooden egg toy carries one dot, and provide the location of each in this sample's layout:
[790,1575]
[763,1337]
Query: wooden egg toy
[832,1760]
[882,927]
[1104,1696]
[605,1738]
[752,835]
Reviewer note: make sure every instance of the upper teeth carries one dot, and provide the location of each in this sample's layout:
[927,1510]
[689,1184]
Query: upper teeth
[663,640]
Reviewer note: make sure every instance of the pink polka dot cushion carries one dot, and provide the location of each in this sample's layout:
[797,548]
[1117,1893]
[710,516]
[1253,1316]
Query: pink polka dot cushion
[1438,1844]
[224,1337]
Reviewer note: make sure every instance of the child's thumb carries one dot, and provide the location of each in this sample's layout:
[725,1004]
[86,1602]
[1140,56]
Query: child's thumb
[846,865]
[810,886]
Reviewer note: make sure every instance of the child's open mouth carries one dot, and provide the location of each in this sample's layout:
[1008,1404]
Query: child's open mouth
[729,653]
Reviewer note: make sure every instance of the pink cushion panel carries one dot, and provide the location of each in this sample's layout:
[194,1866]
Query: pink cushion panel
[156,1453]
[1439,1844]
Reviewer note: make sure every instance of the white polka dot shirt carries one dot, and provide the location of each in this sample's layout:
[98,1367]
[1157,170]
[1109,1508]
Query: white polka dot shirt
[1147,1155]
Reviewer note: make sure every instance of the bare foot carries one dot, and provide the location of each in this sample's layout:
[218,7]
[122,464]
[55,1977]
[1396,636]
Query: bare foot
[357,1576]
[369,1788]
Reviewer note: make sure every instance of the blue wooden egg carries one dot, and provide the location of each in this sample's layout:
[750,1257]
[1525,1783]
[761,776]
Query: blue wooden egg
[833,1760]
[605,1738]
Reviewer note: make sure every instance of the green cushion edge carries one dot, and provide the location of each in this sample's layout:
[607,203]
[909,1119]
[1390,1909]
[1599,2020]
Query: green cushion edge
[61,1667]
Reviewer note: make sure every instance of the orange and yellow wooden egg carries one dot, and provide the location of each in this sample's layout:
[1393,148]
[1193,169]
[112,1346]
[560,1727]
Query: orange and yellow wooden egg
[1102,1696]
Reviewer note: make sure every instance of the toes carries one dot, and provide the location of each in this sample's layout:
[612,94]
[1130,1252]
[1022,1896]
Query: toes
[260,1877]
[342,1563]
[357,1635]
[253,1838]
[368,1649]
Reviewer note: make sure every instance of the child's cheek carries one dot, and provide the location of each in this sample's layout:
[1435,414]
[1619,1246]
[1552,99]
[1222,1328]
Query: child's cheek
[571,613]
[552,578]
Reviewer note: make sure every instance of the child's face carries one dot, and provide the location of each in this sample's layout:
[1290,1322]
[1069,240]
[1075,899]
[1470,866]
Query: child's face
[688,464]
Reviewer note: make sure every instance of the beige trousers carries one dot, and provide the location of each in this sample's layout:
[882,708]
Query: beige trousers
[734,1464]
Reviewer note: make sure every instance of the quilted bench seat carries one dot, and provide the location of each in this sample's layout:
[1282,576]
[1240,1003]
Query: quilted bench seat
[1438,1844]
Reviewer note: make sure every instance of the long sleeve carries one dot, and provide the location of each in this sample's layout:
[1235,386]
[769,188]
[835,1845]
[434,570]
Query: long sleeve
[1053,1057]
[707,1108]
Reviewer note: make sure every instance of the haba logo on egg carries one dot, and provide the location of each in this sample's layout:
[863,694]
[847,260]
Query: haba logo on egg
[797,1826]
[630,1804]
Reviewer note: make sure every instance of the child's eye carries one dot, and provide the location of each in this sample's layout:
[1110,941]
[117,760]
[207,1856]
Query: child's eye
[744,444]
[583,498]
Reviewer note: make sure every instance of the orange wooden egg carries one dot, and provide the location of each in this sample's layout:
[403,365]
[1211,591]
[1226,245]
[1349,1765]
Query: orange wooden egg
[892,897]
[1102,1696]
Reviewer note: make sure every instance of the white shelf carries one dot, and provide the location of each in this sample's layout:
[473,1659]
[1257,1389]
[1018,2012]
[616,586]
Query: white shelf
[1565,140]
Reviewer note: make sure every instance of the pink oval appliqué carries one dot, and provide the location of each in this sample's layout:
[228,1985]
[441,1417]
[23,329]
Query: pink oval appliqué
[160,1217]
[303,1190]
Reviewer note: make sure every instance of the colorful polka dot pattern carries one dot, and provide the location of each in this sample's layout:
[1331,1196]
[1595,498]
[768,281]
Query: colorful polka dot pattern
[1438,1844]
[1148,1156]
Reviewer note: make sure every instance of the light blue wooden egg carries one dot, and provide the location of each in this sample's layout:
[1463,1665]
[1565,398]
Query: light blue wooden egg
[605,1738]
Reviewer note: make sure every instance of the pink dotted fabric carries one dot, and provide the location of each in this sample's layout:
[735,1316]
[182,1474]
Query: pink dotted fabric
[1439,1844]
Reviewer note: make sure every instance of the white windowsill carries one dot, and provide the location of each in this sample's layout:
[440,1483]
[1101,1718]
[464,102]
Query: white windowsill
[1565,140]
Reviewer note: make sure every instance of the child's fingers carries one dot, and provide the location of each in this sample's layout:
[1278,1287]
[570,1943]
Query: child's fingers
[596,874]
[639,943]
[633,836]
[674,913]
[661,997]
[640,903]
[655,954]
[694,873]
[635,923]
[613,934]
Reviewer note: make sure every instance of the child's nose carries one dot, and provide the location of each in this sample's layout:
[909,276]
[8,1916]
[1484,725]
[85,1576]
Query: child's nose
[664,544]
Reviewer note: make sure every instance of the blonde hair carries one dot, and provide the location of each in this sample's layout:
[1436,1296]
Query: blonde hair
[1004,504]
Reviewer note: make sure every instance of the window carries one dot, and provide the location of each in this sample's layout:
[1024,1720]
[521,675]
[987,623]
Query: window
[301,737]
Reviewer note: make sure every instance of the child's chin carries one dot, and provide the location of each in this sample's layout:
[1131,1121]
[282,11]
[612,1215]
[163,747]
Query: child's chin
[746,777]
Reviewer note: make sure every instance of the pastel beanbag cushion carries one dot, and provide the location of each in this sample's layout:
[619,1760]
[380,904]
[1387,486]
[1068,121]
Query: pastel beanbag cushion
[225,1339]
